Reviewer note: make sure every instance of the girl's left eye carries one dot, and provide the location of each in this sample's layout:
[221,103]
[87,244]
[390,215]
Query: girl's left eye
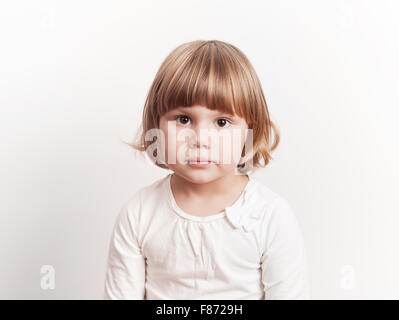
[223,123]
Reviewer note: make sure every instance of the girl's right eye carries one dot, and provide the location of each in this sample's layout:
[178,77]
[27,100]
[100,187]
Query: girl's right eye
[184,119]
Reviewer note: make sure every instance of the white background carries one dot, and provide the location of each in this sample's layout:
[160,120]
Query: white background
[74,76]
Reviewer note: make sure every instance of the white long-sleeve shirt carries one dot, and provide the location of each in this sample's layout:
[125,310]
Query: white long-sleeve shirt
[254,249]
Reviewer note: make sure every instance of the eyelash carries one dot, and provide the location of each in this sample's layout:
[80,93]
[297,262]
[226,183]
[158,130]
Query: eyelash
[182,115]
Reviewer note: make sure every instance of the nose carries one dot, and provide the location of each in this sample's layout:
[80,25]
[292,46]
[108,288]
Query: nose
[201,138]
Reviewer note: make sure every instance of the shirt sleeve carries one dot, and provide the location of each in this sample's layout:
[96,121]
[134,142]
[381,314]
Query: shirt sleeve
[125,273]
[283,263]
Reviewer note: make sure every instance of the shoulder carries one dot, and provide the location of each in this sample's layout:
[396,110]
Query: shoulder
[269,206]
[261,193]
[143,200]
[265,199]
[280,223]
[146,193]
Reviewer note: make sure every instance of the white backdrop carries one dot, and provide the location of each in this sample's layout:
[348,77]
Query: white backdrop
[74,76]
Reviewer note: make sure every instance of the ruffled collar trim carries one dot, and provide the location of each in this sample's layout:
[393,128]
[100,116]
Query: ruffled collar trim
[243,214]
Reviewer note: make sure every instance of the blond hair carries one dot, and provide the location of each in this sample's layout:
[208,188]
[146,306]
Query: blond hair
[219,76]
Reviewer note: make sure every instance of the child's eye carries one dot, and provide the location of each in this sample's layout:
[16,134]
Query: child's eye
[184,119]
[223,123]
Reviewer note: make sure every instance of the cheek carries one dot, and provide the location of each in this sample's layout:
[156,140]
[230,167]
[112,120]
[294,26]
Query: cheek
[230,147]
[176,151]
[237,149]
[239,143]
[163,125]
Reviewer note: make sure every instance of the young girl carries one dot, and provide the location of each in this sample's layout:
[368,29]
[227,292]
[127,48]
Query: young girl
[209,230]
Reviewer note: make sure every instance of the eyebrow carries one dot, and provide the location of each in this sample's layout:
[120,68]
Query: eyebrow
[187,109]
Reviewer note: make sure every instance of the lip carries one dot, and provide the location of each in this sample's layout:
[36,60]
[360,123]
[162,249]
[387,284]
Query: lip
[197,163]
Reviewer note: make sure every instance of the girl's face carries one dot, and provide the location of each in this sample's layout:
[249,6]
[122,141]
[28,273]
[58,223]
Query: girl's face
[197,133]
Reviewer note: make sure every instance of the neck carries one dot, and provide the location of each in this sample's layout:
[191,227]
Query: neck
[210,190]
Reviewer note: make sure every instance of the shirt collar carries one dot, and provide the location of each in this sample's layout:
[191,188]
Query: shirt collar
[243,214]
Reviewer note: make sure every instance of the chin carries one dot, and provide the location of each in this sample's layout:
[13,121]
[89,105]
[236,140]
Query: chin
[198,175]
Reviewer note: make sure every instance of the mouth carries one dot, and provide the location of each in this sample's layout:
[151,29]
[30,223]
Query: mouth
[199,163]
